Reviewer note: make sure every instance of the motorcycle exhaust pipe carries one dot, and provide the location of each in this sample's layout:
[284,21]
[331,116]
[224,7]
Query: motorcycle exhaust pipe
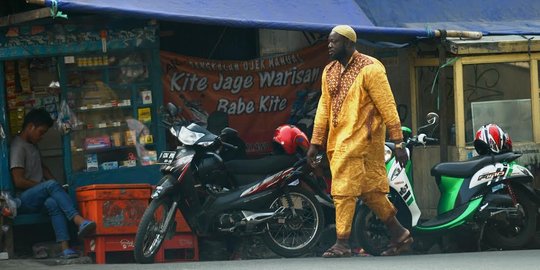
[257,218]
[488,210]
[251,219]
[500,214]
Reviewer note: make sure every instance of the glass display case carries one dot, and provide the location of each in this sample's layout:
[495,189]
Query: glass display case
[109,106]
[101,83]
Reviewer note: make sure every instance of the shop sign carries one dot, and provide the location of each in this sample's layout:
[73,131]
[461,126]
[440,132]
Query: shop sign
[257,95]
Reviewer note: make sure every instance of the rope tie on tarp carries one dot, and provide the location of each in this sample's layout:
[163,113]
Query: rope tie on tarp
[448,62]
[55,13]
[429,31]
[529,40]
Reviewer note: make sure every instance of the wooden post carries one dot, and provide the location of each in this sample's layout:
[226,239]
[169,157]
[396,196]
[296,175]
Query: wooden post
[414,94]
[36,2]
[535,100]
[25,16]
[459,106]
[458,33]
[443,101]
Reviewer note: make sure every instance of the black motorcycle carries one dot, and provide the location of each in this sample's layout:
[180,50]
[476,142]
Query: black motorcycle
[271,196]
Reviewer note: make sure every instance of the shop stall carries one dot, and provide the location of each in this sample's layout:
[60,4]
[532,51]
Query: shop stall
[99,78]
[100,84]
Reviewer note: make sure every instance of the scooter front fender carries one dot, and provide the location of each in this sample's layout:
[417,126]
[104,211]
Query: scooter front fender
[398,180]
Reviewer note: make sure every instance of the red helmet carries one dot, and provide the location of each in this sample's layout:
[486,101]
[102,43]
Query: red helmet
[491,139]
[289,138]
[507,146]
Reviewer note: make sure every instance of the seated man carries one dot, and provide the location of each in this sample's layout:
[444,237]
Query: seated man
[36,184]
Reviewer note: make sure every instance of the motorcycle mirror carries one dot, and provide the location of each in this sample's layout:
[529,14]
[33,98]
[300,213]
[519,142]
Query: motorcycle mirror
[432,118]
[229,132]
[172,109]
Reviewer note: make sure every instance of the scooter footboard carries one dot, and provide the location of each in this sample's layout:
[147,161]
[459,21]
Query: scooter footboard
[452,218]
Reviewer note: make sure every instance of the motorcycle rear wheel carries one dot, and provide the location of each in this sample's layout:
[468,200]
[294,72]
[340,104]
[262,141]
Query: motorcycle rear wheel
[293,236]
[148,240]
[514,236]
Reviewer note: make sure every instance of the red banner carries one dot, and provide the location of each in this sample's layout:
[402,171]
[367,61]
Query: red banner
[254,97]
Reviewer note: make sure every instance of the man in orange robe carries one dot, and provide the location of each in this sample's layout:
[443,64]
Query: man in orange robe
[355,108]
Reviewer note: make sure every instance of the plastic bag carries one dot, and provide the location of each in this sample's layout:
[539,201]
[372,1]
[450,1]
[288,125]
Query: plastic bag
[67,120]
[9,204]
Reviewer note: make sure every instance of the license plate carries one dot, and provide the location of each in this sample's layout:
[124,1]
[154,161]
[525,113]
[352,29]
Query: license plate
[166,157]
[497,187]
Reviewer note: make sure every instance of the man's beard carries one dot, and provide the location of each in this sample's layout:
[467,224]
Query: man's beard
[338,54]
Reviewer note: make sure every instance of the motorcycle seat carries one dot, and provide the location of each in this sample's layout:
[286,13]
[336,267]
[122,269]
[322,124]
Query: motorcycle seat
[469,167]
[247,171]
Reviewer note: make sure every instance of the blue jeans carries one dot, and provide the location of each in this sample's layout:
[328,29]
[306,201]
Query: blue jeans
[51,196]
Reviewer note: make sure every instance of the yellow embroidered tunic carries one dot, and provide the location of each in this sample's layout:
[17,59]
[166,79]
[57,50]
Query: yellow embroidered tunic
[355,108]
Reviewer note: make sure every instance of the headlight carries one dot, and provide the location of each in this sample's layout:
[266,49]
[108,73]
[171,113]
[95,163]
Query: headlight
[205,144]
[174,131]
[387,154]
[189,137]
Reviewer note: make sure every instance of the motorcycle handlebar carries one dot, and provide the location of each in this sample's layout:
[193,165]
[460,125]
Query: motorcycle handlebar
[424,139]
[229,145]
[300,162]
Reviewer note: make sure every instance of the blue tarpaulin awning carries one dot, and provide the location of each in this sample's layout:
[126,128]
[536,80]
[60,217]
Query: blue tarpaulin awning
[381,20]
[491,17]
[301,15]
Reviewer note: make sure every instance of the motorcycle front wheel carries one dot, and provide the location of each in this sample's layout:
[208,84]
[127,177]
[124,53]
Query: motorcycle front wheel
[149,239]
[371,234]
[291,234]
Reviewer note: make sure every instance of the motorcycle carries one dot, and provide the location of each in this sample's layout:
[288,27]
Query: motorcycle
[489,194]
[271,196]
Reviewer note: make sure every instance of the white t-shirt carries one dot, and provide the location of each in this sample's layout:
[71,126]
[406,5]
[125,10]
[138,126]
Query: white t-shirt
[26,155]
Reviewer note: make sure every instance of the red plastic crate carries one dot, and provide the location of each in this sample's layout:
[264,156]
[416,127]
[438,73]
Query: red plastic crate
[116,208]
[181,224]
[182,247]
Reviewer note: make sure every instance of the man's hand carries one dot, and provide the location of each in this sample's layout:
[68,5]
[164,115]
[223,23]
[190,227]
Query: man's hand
[19,181]
[312,155]
[401,156]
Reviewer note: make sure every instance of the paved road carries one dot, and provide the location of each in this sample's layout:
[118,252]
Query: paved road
[488,260]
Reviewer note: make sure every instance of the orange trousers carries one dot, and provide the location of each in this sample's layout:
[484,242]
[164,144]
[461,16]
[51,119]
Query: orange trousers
[346,205]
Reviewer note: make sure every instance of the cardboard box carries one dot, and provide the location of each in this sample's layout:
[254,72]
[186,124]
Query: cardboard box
[109,165]
[129,137]
[97,142]
[91,163]
[144,115]
[146,97]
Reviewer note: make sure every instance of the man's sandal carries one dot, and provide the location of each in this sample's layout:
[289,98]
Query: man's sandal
[395,249]
[335,252]
[86,228]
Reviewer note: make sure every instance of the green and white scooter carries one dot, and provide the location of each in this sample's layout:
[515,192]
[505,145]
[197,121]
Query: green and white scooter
[489,194]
